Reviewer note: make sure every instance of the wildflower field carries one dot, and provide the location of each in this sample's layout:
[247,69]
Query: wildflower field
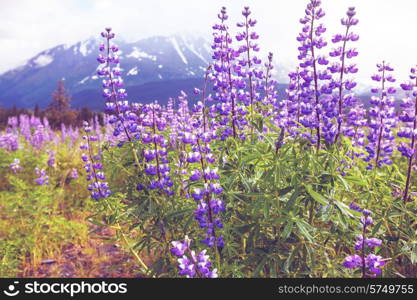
[235,180]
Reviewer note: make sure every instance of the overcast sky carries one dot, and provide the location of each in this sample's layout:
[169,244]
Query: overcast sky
[386,28]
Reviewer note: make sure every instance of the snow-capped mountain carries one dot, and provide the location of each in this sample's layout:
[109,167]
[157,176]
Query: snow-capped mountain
[155,59]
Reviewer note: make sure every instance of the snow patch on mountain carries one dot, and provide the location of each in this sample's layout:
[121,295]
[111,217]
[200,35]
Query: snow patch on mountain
[82,81]
[192,49]
[189,41]
[177,48]
[138,54]
[133,71]
[43,60]
[83,48]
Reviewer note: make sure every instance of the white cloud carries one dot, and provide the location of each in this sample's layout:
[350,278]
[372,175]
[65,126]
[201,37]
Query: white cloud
[28,27]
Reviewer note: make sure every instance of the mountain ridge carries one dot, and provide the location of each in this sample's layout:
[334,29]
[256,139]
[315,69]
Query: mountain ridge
[151,59]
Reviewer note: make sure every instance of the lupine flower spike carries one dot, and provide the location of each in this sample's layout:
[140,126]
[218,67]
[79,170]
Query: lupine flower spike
[408,131]
[191,264]
[311,41]
[382,119]
[93,166]
[369,264]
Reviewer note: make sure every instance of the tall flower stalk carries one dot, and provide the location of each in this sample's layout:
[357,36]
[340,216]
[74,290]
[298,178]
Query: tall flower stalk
[409,130]
[156,156]
[93,166]
[202,105]
[369,263]
[341,67]
[112,83]
[381,119]
[223,85]
[311,40]
[191,264]
[248,61]
[206,196]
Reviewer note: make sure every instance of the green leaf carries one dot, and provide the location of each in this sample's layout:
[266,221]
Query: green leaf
[287,230]
[376,228]
[355,180]
[267,208]
[344,209]
[290,258]
[260,266]
[284,191]
[302,226]
[316,196]
[292,199]
[179,213]
[414,254]
[273,269]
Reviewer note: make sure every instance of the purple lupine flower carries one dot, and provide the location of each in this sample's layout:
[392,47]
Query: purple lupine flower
[225,110]
[374,263]
[205,212]
[202,175]
[369,264]
[153,123]
[73,174]
[122,118]
[355,206]
[371,243]
[9,141]
[15,165]
[38,138]
[247,59]
[352,261]
[190,264]
[268,86]
[341,67]
[180,248]
[354,125]
[311,41]
[408,131]
[366,220]
[195,175]
[289,110]
[51,159]
[382,120]
[42,179]
[93,167]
